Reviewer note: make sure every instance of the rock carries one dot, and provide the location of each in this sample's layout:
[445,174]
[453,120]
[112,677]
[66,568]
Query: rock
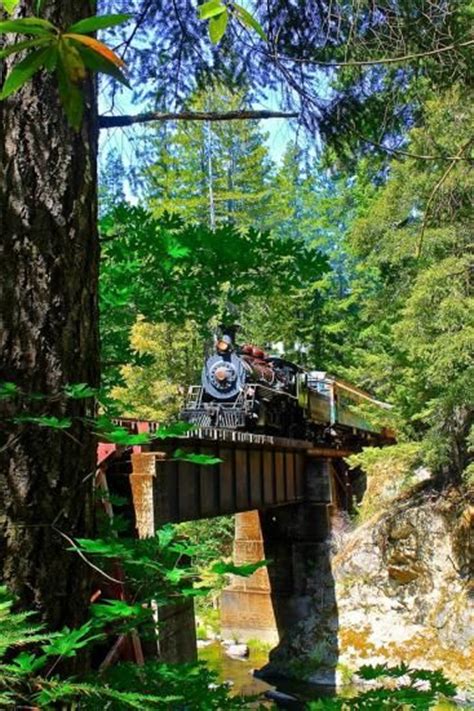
[201,643]
[240,651]
[285,700]
[399,593]
[402,575]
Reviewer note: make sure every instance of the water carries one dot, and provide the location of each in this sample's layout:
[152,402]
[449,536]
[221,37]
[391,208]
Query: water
[240,673]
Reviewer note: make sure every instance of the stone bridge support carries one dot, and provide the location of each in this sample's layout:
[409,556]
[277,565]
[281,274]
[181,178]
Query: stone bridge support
[274,601]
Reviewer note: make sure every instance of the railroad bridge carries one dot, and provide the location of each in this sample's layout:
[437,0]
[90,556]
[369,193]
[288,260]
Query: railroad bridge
[284,493]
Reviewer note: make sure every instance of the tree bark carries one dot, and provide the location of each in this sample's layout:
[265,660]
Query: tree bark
[48,335]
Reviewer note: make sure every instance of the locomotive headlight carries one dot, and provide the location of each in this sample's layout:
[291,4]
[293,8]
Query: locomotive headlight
[222,346]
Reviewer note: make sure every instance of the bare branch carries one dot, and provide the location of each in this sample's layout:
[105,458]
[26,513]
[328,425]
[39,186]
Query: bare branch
[372,62]
[86,560]
[416,156]
[240,115]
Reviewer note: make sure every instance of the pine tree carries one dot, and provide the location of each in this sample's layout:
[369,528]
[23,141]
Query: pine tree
[213,174]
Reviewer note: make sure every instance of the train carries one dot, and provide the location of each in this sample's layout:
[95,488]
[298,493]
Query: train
[244,388]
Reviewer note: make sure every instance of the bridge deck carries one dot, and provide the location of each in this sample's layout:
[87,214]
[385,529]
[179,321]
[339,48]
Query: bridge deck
[251,475]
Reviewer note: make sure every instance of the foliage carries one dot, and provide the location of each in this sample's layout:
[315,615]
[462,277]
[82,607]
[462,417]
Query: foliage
[355,73]
[210,173]
[69,54]
[155,390]
[391,471]
[155,571]
[189,273]
[415,335]
[416,689]
[218,12]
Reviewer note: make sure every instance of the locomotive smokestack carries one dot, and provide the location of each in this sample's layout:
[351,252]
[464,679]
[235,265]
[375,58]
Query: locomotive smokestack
[229,330]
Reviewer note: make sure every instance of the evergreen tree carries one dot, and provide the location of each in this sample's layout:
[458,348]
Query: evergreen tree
[208,173]
[415,337]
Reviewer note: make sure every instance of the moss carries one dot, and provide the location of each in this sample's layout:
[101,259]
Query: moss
[345,673]
[256,646]
[357,639]
[427,648]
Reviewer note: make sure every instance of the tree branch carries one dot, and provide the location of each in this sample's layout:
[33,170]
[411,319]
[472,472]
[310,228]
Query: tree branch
[440,182]
[118,121]
[371,62]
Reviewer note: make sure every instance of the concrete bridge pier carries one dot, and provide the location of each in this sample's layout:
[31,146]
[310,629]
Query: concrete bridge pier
[274,601]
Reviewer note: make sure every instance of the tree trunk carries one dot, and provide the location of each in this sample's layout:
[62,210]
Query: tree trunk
[48,335]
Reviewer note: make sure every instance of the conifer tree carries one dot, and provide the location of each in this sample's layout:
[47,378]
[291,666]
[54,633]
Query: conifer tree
[211,174]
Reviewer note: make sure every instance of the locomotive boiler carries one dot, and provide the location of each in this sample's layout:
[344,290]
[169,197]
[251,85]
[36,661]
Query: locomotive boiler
[243,388]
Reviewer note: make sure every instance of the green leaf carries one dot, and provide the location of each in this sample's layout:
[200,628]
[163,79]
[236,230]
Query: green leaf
[9,5]
[121,436]
[26,44]
[222,568]
[28,663]
[249,20]
[53,422]
[99,22]
[8,390]
[211,9]
[68,641]
[217,27]
[98,63]
[71,96]
[27,26]
[111,610]
[79,391]
[178,429]
[72,61]
[195,458]
[24,70]
[98,546]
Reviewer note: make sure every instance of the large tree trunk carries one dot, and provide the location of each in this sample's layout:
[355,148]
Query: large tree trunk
[48,335]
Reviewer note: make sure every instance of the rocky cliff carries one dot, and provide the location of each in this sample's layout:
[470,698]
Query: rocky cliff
[403,592]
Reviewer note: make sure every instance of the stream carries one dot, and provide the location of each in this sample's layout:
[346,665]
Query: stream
[240,673]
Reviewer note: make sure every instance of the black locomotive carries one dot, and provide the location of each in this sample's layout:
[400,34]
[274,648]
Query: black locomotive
[243,388]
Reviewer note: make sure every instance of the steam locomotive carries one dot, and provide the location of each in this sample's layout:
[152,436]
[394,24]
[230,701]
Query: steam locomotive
[243,388]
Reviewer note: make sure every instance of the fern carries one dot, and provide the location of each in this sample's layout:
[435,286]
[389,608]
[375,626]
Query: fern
[26,678]
[16,631]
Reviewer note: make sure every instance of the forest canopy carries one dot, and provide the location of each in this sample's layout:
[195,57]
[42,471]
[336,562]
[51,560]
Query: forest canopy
[145,199]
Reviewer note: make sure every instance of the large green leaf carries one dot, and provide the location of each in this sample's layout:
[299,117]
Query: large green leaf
[203,459]
[8,390]
[98,63]
[24,70]
[27,26]
[217,27]
[245,571]
[26,44]
[79,391]
[54,423]
[68,642]
[99,22]
[249,20]
[211,9]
